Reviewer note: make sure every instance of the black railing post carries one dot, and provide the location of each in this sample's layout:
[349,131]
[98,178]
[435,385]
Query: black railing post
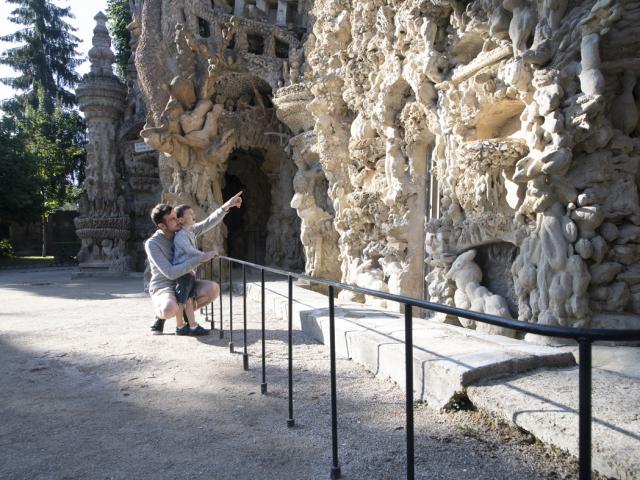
[335,466]
[263,386]
[230,305]
[408,348]
[220,301]
[211,306]
[245,355]
[584,409]
[290,420]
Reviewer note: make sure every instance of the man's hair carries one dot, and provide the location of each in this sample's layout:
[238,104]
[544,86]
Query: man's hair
[158,213]
[180,209]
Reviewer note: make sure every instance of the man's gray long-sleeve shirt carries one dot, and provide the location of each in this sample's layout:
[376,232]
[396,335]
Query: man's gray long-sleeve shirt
[160,250]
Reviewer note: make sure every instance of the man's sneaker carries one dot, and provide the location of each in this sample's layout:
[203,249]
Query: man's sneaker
[183,330]
[198,331]
[158,327]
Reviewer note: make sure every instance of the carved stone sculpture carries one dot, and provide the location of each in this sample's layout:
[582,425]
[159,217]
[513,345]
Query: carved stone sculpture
[408,135]
[104,225]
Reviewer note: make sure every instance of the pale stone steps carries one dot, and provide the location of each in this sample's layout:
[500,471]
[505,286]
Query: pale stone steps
[446,358]
[534,387]
[545,403]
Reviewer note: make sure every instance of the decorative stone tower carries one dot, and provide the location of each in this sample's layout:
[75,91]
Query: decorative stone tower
[104,224]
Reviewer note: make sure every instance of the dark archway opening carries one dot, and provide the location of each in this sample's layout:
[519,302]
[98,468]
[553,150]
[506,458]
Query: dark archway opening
[247,226]
[495,260]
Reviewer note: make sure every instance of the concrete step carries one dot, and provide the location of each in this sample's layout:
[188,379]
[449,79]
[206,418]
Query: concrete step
[545,403]
[447,359]
[534,387]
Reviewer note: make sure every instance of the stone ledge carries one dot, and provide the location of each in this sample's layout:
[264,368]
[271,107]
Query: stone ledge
[546,404]
[447,359]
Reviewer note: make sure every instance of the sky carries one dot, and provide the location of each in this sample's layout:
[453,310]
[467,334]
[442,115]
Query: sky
[83,10]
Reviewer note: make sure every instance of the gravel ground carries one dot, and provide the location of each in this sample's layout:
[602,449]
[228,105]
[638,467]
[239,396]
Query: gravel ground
[87,393]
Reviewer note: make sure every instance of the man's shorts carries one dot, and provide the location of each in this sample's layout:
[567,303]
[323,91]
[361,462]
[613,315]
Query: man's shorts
[162,296]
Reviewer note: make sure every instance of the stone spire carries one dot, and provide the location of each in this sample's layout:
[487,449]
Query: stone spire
[101,56]
[104,225]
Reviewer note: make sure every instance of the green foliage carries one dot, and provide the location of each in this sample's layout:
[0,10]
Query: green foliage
[20,194]
[56,141]
[45,56]
[119,14]
[41,137]
[6,249]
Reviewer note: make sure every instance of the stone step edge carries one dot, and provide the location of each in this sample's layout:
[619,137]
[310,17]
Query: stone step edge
[440,384]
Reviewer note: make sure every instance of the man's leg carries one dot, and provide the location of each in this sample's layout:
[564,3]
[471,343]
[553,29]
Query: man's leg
[206,292]
[164,306]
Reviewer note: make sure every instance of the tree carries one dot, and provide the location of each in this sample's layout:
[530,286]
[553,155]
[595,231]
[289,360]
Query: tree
[56,141]
[46,57]
[20,200]
[119,14]
[46,138]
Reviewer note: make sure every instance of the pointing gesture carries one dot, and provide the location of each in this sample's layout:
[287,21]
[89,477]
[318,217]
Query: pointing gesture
[235,201]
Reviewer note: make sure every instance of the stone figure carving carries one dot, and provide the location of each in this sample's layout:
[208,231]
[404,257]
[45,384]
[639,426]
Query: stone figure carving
[520,116]
[471,295]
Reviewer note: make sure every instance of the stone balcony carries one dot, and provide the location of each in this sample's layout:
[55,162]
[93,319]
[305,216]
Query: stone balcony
[291,103]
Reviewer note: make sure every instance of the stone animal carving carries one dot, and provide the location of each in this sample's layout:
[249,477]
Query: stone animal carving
[469,294]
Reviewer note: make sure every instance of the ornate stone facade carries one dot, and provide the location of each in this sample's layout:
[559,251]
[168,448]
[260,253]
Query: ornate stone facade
[207,78]
[104,225]
[122,174]
[480,153]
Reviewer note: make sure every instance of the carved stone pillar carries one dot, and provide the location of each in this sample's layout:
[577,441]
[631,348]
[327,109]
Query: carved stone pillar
[104,225]
[318,236]
[281,17]
[239,8]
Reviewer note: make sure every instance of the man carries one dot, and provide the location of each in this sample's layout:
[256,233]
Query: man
[159,249]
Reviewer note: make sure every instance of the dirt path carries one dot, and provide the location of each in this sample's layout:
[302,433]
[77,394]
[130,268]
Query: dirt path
[87,393]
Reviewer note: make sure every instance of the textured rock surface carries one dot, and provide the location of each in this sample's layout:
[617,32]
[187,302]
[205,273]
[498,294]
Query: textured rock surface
[406,134]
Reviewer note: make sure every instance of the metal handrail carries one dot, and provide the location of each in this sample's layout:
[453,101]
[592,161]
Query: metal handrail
[584,336]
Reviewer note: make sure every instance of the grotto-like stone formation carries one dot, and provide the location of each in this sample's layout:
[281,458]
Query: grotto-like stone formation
[207,77]
[481,153]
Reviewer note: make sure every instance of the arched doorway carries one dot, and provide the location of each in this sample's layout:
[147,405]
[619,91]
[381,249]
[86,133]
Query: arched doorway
[247,226]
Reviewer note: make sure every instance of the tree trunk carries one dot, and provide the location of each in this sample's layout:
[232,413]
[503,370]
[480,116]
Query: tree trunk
[44,236]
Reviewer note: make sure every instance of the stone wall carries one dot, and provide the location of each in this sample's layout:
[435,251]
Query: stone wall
[207,79]
[482,153]
[523,119]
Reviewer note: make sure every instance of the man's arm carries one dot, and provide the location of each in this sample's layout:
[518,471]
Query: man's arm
[172,272]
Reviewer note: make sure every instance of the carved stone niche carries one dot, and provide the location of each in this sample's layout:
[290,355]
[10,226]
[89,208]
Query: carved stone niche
[495,260]
[499,120]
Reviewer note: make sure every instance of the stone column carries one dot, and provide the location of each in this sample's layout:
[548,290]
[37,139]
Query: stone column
[281,17]
[104,225]
[317,234]
[262,5]
[238,9]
